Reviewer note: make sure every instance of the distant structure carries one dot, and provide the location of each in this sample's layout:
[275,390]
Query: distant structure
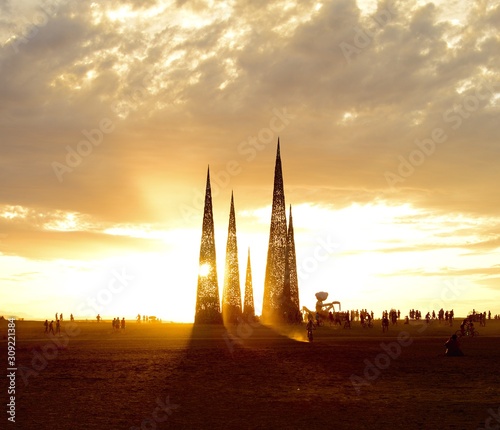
[231,297]
[290,296]
[281,289]
[278,305]
[207,295]
[248,304]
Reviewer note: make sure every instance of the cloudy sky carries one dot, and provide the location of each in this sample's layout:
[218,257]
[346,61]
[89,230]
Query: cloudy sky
[111,112]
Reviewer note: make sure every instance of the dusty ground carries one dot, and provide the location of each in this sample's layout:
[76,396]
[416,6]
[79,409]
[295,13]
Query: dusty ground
[155,376]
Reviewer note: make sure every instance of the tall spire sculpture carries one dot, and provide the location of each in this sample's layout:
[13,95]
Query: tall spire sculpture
[290,296]
[275,267]
[231,297]
[207,295]
[248,305]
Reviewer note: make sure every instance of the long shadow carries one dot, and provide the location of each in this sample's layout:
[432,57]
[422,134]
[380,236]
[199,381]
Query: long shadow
[229,377]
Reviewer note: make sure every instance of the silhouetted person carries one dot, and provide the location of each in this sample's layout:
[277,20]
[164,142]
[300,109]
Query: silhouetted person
[46,324]
[309,328]
[58,327]
[347,323]
[71,318]
[98,317]
[123,323]
[51,327]
[453,347]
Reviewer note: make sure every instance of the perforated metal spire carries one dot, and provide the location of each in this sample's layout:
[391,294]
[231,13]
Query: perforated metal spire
[231,297]
[248,304]
[207,295]
[290,300]
[276,253]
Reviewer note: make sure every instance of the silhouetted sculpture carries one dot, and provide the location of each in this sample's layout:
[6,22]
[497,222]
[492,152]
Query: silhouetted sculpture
[290,296]
[231,297]
[248,305]
[207,295]
[275,267]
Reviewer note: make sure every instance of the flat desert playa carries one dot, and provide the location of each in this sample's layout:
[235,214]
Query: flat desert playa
[162,376]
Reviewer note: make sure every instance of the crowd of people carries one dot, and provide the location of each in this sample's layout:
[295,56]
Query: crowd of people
[54,326]
[393,316]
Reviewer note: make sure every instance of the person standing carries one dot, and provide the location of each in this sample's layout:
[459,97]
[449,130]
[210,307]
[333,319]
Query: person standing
[51,327]
[46,324]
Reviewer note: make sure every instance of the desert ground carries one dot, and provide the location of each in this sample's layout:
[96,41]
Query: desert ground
[248,376]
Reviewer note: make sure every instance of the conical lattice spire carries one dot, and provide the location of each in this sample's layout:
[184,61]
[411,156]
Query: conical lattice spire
[290,297]
[248,305]
[207,296]
[231,297]
[275,267]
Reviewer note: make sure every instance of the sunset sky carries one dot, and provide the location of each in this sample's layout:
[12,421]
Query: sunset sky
[111,112]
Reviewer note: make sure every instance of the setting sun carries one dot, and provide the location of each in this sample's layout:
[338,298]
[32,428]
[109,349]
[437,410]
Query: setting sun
[204,269]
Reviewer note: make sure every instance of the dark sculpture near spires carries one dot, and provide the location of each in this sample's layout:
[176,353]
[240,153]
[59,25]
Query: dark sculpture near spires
[207,295]
[231,297]
[290,296]
[248,305]
[276,254]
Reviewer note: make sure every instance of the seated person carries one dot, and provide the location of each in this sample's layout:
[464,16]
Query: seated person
[453,347]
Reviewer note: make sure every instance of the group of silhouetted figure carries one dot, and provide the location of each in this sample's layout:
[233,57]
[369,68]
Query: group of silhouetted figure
[49,326]
[117,324]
